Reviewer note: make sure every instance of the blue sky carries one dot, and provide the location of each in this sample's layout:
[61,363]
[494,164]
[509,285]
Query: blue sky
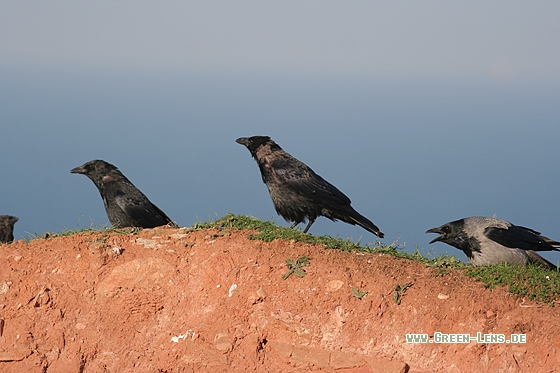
[421,112]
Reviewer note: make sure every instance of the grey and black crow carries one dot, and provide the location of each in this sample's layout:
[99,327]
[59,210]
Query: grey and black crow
[7,228]
[126,206]
[297,192]
[489,241]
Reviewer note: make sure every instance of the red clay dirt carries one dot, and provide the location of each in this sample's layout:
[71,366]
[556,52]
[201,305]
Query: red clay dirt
[170,301]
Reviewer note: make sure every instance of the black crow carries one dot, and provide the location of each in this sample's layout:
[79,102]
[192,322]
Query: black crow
[489,241]
[297,192]
[7,228]
[126,206]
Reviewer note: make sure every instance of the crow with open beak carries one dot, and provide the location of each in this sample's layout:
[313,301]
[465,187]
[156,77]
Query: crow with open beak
[490,241]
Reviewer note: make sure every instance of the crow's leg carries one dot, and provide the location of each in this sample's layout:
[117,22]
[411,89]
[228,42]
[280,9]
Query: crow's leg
[311,221]
[294,225]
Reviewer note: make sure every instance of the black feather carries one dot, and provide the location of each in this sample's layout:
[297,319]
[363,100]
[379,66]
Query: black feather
[519,237]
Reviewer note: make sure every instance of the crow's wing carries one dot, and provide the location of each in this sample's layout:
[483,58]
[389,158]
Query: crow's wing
[139,208]
[521,238]
[302,180]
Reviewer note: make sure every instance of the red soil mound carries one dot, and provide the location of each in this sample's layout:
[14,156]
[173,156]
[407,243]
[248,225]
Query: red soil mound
[168,301]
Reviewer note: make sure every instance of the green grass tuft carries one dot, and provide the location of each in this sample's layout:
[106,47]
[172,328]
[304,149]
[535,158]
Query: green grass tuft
[357,293]
[296,267]
[399,291]
[531,281]
[269,231]
[71,232]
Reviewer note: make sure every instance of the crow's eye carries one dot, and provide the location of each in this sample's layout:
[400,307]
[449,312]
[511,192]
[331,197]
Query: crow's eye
[446,229]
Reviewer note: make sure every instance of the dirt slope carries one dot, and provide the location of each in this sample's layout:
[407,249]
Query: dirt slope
[194,302]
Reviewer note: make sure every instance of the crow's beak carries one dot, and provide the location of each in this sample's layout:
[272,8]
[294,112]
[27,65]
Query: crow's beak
[243,141]
[78,170]
[14,219]
[436,230]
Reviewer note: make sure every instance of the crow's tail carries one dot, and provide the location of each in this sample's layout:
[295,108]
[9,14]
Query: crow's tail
[353,217]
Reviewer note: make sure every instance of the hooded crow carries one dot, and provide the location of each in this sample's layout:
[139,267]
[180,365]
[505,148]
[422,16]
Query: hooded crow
[125,204]
[489,241]
[297,192]
[7,228]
